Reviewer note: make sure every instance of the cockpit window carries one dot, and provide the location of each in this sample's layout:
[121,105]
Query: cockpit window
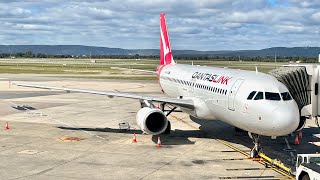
[259,96]
[273,96]
[251,95]
[286,96]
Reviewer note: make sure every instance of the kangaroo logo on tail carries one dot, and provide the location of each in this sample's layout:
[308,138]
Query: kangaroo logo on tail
[165,50]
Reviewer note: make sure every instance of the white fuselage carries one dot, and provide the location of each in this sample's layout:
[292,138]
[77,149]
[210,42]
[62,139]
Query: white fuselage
[222,94]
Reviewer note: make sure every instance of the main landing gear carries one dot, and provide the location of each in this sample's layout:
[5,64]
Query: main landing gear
[254,153]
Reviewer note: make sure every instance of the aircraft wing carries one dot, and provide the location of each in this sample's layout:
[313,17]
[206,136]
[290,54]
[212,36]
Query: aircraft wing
[186,103]
[136,70]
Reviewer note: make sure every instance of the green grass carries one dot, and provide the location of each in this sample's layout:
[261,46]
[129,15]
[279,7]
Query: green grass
[115,77]
[102,68]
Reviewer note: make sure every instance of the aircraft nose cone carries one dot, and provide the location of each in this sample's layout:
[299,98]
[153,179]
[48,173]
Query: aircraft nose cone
[286,120]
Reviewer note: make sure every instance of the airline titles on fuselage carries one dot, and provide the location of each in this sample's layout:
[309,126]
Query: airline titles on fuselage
[211,77]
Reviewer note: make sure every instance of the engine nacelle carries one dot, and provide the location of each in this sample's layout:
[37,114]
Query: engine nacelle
[151,121]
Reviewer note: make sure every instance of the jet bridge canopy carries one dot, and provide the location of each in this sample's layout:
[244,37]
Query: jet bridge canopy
[302,80]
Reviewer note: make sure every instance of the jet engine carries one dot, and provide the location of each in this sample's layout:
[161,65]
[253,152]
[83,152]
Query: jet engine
[151,121]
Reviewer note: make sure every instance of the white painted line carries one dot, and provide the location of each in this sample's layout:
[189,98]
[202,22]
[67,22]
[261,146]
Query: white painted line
[289,147]
[29,152]
[60,122]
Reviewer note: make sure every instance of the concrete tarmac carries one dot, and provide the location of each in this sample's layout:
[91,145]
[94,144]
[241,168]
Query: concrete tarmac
[36,146]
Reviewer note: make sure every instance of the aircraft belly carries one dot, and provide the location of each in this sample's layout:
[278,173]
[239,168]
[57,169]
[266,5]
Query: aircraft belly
[251,122]
[238,118]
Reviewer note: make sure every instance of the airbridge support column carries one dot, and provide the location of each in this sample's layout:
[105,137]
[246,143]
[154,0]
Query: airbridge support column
[303,84]
[315,93]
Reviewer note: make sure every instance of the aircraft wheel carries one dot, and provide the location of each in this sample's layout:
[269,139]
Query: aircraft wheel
[305,177]
[254,153]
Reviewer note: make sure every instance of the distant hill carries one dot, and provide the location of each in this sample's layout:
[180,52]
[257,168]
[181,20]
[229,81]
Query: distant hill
[78,50]
[280,51]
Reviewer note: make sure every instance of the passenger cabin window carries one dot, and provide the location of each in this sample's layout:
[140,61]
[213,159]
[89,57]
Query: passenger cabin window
[251,95]
[272,96]
[259,96]
[286,96]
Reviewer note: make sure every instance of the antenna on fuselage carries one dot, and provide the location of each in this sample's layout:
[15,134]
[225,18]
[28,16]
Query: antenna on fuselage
[256,69]
[192,61]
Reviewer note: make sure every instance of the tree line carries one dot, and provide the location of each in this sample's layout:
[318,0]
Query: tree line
[29,54]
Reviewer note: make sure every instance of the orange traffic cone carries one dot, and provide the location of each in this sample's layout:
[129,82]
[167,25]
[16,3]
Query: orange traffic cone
[296,141]
[134,140]
[159,142]
[7,125]
[300,134]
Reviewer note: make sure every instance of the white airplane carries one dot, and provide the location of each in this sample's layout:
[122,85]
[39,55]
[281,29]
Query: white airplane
[251,101]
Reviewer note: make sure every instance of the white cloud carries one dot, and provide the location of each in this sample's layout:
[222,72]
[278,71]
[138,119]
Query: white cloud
[13,12]
[316,17]
[290,29]
[192,24]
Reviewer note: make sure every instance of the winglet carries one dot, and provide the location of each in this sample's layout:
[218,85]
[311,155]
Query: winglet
[165,49]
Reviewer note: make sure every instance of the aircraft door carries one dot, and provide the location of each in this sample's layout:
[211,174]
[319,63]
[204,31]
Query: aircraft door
[232,93]
[193,83]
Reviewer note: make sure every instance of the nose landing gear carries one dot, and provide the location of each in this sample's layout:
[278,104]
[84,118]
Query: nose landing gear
[254,153]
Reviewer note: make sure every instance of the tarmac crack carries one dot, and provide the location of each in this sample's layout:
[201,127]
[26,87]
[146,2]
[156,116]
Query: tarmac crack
[59,177]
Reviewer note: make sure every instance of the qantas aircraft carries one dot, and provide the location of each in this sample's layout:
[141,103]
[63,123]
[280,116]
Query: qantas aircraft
[251,101]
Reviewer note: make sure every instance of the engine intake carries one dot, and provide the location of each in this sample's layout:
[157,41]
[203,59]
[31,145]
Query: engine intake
[151,121]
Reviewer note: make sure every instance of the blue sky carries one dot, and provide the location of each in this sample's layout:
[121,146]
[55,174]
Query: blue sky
[192,24]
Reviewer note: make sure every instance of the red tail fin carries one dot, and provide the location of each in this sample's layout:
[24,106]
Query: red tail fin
[165,50]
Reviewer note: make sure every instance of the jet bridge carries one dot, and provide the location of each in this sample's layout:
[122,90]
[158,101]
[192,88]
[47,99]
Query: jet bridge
[302,80]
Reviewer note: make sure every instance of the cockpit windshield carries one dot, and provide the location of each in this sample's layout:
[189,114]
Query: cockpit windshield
[272,96]
[259,96]
[286,96]
[251,95]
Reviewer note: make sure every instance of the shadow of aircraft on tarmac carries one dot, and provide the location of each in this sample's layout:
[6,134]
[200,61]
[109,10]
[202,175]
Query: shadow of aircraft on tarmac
[274,148]
[176,137]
